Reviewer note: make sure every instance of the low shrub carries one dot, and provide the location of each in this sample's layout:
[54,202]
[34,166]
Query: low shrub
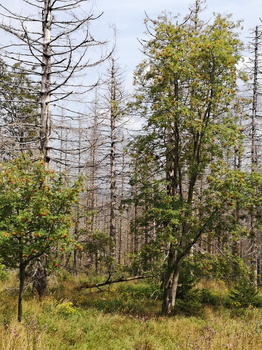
[191,304]
[213,298]
[244,295]
[66,308]
[4,275]
[140,291]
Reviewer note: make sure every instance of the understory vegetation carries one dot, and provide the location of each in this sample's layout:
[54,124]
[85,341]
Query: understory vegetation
[210,315]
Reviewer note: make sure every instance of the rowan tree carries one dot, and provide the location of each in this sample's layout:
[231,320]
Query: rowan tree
[187,94]
[36,213]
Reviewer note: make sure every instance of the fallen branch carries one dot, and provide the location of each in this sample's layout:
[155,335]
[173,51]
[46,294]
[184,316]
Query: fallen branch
[108,282]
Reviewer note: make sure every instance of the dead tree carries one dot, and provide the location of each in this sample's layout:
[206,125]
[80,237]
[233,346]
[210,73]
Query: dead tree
[254,134]
[115,102]
[53,44]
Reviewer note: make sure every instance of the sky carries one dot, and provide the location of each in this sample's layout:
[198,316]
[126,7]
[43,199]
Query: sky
[128,18]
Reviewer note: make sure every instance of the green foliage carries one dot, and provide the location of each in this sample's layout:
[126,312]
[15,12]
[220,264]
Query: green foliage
[3,273]
[36,211]
[230,190]
[244,295]
[186,90]
[187,278]
[190,304]
[213,298]
[227,266]
[141,291]
[98,245]
[19,106]
[146,261]
[129,299]
[66,308]
[190,299]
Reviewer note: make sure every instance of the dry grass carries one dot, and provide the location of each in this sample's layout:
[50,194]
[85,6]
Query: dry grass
[118,320]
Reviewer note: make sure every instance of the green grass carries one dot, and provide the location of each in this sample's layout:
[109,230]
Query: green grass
[125,317]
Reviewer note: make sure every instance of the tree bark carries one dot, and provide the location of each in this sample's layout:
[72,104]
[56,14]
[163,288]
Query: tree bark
[254,155]
[45,130]
[114,114]
[170,290]
[108,282]
[21,290]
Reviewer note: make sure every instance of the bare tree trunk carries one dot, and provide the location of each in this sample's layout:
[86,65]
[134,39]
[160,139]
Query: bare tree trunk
[254,157]
[45,130]
[122,221]
[45,117]
[113,117]
[93,162]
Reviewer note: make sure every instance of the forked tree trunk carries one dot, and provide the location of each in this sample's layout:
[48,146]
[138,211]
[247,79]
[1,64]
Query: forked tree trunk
[170,290]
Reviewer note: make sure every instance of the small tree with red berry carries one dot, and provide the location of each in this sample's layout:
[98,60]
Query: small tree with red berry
[36,213]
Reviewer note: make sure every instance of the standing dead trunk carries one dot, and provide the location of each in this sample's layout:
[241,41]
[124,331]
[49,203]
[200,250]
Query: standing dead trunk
[45,130]
[40,283]
[40,280]
[114,114]
[254,154]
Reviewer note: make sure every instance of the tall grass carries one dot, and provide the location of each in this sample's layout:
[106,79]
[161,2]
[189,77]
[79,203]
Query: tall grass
[124,317]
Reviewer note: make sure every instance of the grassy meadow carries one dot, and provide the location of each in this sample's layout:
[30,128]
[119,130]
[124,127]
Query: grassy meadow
[124,317]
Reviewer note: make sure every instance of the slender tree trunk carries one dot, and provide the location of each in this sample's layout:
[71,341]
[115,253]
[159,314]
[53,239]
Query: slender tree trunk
[45,83]
[45,129]
[113,117]
[170,290]
[75,257]
[21,290]
[93,165]
[254,158]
